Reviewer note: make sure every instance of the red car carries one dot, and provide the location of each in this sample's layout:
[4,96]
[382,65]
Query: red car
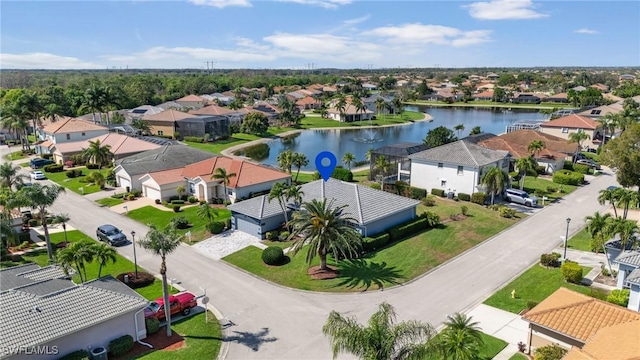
[179,303]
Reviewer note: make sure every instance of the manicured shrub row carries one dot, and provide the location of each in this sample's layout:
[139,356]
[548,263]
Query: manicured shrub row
[177,202]
[121,345]
[417,193]
[464,197]
[550,260]
[76,355]
[342,174]
[479,198]
[194,139]
[425,221]
[152,325]
[271,235]
[582,169]
[437,192]
[619,297]
[273,255]
[566,177]
[93,166]
[571,272]
[568,165]
[375,242]
[53,168]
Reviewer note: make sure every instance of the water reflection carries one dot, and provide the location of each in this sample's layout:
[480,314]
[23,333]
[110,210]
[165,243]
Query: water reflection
[257,152]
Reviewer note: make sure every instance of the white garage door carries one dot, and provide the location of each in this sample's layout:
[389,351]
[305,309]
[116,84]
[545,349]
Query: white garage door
[249,227]
[123,181]
[152,193]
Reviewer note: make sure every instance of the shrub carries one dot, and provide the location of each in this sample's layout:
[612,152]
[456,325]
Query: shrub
[131,197]
[180,222]
[417,193]
[216,227]
[371,243]
[582,169]
[34,222]
[342,174]
[375,186]
[176,208]
[76,355]
[192,200]
[507,212]
[177,202]
[93,166]
[46,156]
[433,219]
[284,236]
[619,297]
[24,245]
[566,177]
[184,197]
[531,304]
[540,170]
[273,255]
[158,201]
[571,272]
[194,139]
[549,352]
[53,168]
[136,192]
[479,198]
[568,165]
[24,236]
[174,197]
[437,192]
[464,210]
[464,197]
[409,228]
[271,235]
[68,163]
[70,174]
[152,325]
[121,345]
[550,260]
[429,201]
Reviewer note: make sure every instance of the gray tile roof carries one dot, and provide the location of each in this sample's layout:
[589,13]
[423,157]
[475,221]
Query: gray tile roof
[461,153]
[17,276]
[401,149]
[363,203]
[45,287]
[634,277]
[631,258]
[63,312]
[164,158]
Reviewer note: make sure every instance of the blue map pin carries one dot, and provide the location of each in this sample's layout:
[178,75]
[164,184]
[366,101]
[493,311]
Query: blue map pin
[326,171]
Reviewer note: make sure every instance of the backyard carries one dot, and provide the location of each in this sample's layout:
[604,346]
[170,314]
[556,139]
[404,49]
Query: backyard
[78,185]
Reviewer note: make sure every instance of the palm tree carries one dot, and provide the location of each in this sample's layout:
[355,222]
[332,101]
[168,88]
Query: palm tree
[285,160]
[625,198]
[597,226]
[51,111]
[180,190]
[608,123]
[382,166]
[207,212]
[16,118]
[348,159]
[461,338]
[299,160]
[341,106]
[383,338]
[367,155]
[97,152]
[495,181]
[162,242]
[76,254]
[525,165]
[398,106]
[110,99]
[535,147]
[62,219]
[475,130]
[356,101]
[222,175]
[104,253]
[40,197]
[93,101]
[380,105]
[10,175]
[141,125]
[611,196]
[625,228]
[33,106]
[578,137]
[294,192]
[97,178]
[324,229]
[279,192]
[459,128]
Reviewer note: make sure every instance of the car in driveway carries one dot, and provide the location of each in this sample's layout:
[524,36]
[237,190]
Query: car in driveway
[37,175]
[590,163]
[520,197]
[180,303]
[37,163]
[111,235]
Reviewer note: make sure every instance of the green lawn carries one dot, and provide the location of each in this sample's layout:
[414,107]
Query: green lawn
[490,348]
[535,285]
[149,215]
[77,183]
[121,265]
[547,187]
[202,340]
[519,356]
[312,122]
[395,264]
[592,156]
[109,202]
[580,241]
[15,156]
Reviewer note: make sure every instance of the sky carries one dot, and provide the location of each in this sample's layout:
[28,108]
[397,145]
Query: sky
[315,34]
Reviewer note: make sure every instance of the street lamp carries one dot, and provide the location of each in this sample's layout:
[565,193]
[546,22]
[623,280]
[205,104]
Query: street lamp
[135,259]
[566,239]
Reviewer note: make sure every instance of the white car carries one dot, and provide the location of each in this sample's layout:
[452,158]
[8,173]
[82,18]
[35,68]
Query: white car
[37,175]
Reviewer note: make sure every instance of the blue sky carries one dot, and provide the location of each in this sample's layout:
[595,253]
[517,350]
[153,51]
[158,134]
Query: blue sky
[325,33]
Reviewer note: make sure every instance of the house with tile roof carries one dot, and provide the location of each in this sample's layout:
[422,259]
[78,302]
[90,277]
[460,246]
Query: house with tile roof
[197,179]
[589,328]
[349,113]
[68,130]
[42,307]
[628,272]
[374,210]
[308,103]
[120,146]
[192,101]
[565,125]
[600,111]
[562,98]
[165,123]
[455,167]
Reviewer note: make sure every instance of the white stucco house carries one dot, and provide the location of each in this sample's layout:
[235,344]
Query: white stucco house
[455,167]
[68,130]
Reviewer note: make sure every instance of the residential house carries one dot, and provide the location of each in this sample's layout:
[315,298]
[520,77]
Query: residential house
[142,110]
[168,105]
[628,262]
[492,76]
[120,146]
[563,126]
[234,116]
[602,87]
[445,94]
[374,210]
[316,93]
[43,309]
[626,77]
[66,131]
[398,156]
[192,101]
[525,99]
[370,102]
[166,123]
[369,86]
[600,111]
[557,98]
[579,88]
[308,103]
[456,167]
[484,96]
[129,169]
[215,127]
[485,86]
[270,111]
[552,157]
[223,99]
[349,114]
[589,328]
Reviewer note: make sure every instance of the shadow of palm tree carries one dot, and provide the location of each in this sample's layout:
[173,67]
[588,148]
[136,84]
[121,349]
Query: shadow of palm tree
[358,273]
[251,340]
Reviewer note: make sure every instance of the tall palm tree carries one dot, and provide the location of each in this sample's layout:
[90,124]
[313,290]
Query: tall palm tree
[625,228]
[52,111]
[103,253]
[324,229]
[398,106]
[40,197]
[63,219]
[348,159]
[495,181]
[141,125]
[611,196]
[97,152]
[380,105]
[535,147]
[341,106]
[461,338]
[525,165]
[299,160]
[110,100]
[207,212]
[578,137]
[31,102]
[608,123]
[357,103]
[294,192]
[93,101]
[459,128]
[279,192]
[222,175]
[626,198]
[76,254]
[16,118]
[367,155]
[597,228]
[383,338]
[382,166]
[10,175]
[285,160]
[162,242]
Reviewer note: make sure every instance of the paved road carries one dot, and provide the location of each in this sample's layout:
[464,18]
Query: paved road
[277,323]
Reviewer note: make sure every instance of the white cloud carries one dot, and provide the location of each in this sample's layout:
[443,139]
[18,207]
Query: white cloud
[586,31]
[327,4]
[321,46]
[504,10]
[420,34]
[220,4]
[357,20]
[44,61]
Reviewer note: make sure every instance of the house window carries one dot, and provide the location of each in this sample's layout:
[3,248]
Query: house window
[68,136]
[460,170]
[83,134]
[443,183]
[160,132]
[192,188]
[440,165]
[565,130]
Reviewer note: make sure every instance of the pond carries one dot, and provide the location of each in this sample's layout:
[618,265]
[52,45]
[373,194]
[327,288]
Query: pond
[357,141]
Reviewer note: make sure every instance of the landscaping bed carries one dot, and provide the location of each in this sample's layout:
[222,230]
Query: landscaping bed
[78,185]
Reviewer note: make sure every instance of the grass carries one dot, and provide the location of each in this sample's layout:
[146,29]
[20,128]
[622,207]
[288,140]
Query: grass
[592,156]
[395,264]
[490,348]
[202,340]
[109,202]
[580,241]
[540,185]
[149,215]
[121,264]
[75,184]
[536,284]
[485,103]
[15,156]
[518,356]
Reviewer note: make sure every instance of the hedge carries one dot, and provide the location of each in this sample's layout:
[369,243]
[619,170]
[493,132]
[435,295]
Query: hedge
[464,197]
[437,192]
[479,198]
[93,166]
[568,165]
[77,355]
[216,227]
[273,255]
[371,243]
[582,169]
[194,139]
[417,193]
[152,325]
[619,297]
[342,174]
[53,168]
[121,345]
[177,202]
[566,177]
[550,260]
[571,272]
[409,228]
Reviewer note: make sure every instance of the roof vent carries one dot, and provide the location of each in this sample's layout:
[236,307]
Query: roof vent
[35,310]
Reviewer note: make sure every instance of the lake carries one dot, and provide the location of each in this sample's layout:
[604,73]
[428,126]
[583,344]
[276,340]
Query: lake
[355,141]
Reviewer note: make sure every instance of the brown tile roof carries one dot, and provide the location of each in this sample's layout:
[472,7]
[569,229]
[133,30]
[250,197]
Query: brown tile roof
[168,115]
[167,176]
[487,93]
[557,96]
[601,87]
[192,98]
[307,100]
[46,144]
[246,173]
[348,110]
[213,110]
[71,125]
[119,144]
[572,121]
[517,142]
[576,315]
[617,342]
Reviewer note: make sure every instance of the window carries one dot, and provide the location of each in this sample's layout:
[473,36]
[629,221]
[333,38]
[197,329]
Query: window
[83,134]
[565,130]
[192,188]
[460,170]
[160,132]
[68,136]
[443,183]
[440,165]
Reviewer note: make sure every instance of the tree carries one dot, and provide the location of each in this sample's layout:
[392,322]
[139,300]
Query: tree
[357,103]
[207,212]
[348,159]
[40,197]
[62,219]
[525,165]
[103,253]
[398,106]
[341,106]
[279,192]
[324,229]
[97,178]
[535,147]
[141,125]
[625,198]
[382,167]
[255,123]
[294,192]
[459,128]
[222,175]
[383,338]
[495,181]
[180,190]
[475,130]
[597,226]
[608,123]
[162,242]
[367,155]
[10,175]
[97,152]
[299,160]
[380,105]
[499,95]
[76,255]
[624,228]
[93,101]
[439,136]
[285,160]
[52,111]
[578,137]
[609,195]
[461,338]
[623,155]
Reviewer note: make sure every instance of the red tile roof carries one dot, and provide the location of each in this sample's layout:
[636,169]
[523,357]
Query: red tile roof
[517,142]
[71,125]
[246,173]
[168,115]
[167,176]
[572,121]
[192,98]
[213,110]
[307,101]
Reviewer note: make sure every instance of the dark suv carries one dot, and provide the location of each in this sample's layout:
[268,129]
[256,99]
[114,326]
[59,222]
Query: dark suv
[37,163]
[111,234]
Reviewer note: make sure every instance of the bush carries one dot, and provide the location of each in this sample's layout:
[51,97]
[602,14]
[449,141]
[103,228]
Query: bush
[437,192]
[93,166]
[53,168]
[192,200]
[158,201]
[180,222]
[177,202]
[34,222]
[571,272]
[375,242]
[433,219]
[216,227]
[375,186]
[566,177]
[284,236]
[479,198]
[174,197]
[568,165]
[70,174]
[194,139]
[507,212]
[121,345]
[464,210]
[549,352]
[464,197]
[531,304]
[68,163]
[582,169]
[417,193]
[184,197]
[342,174]
[619,297]
[429,201]
[540,170]
[131,197]
[271,235]
[409,228]
[152,325]
[176,208]
[550,260]
[24,236]
[273,255]
[76,355]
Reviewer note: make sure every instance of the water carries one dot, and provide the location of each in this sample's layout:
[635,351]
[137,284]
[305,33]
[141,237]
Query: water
[358,141]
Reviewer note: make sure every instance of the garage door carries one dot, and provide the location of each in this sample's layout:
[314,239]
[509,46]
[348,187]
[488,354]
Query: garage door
[152,193]
[123,181]
[248,226]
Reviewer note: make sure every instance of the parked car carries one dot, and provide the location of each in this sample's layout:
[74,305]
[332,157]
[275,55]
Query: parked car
[111,234]
[37,163]
[592,164]
[37,175]
[520,197]
[180,303]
